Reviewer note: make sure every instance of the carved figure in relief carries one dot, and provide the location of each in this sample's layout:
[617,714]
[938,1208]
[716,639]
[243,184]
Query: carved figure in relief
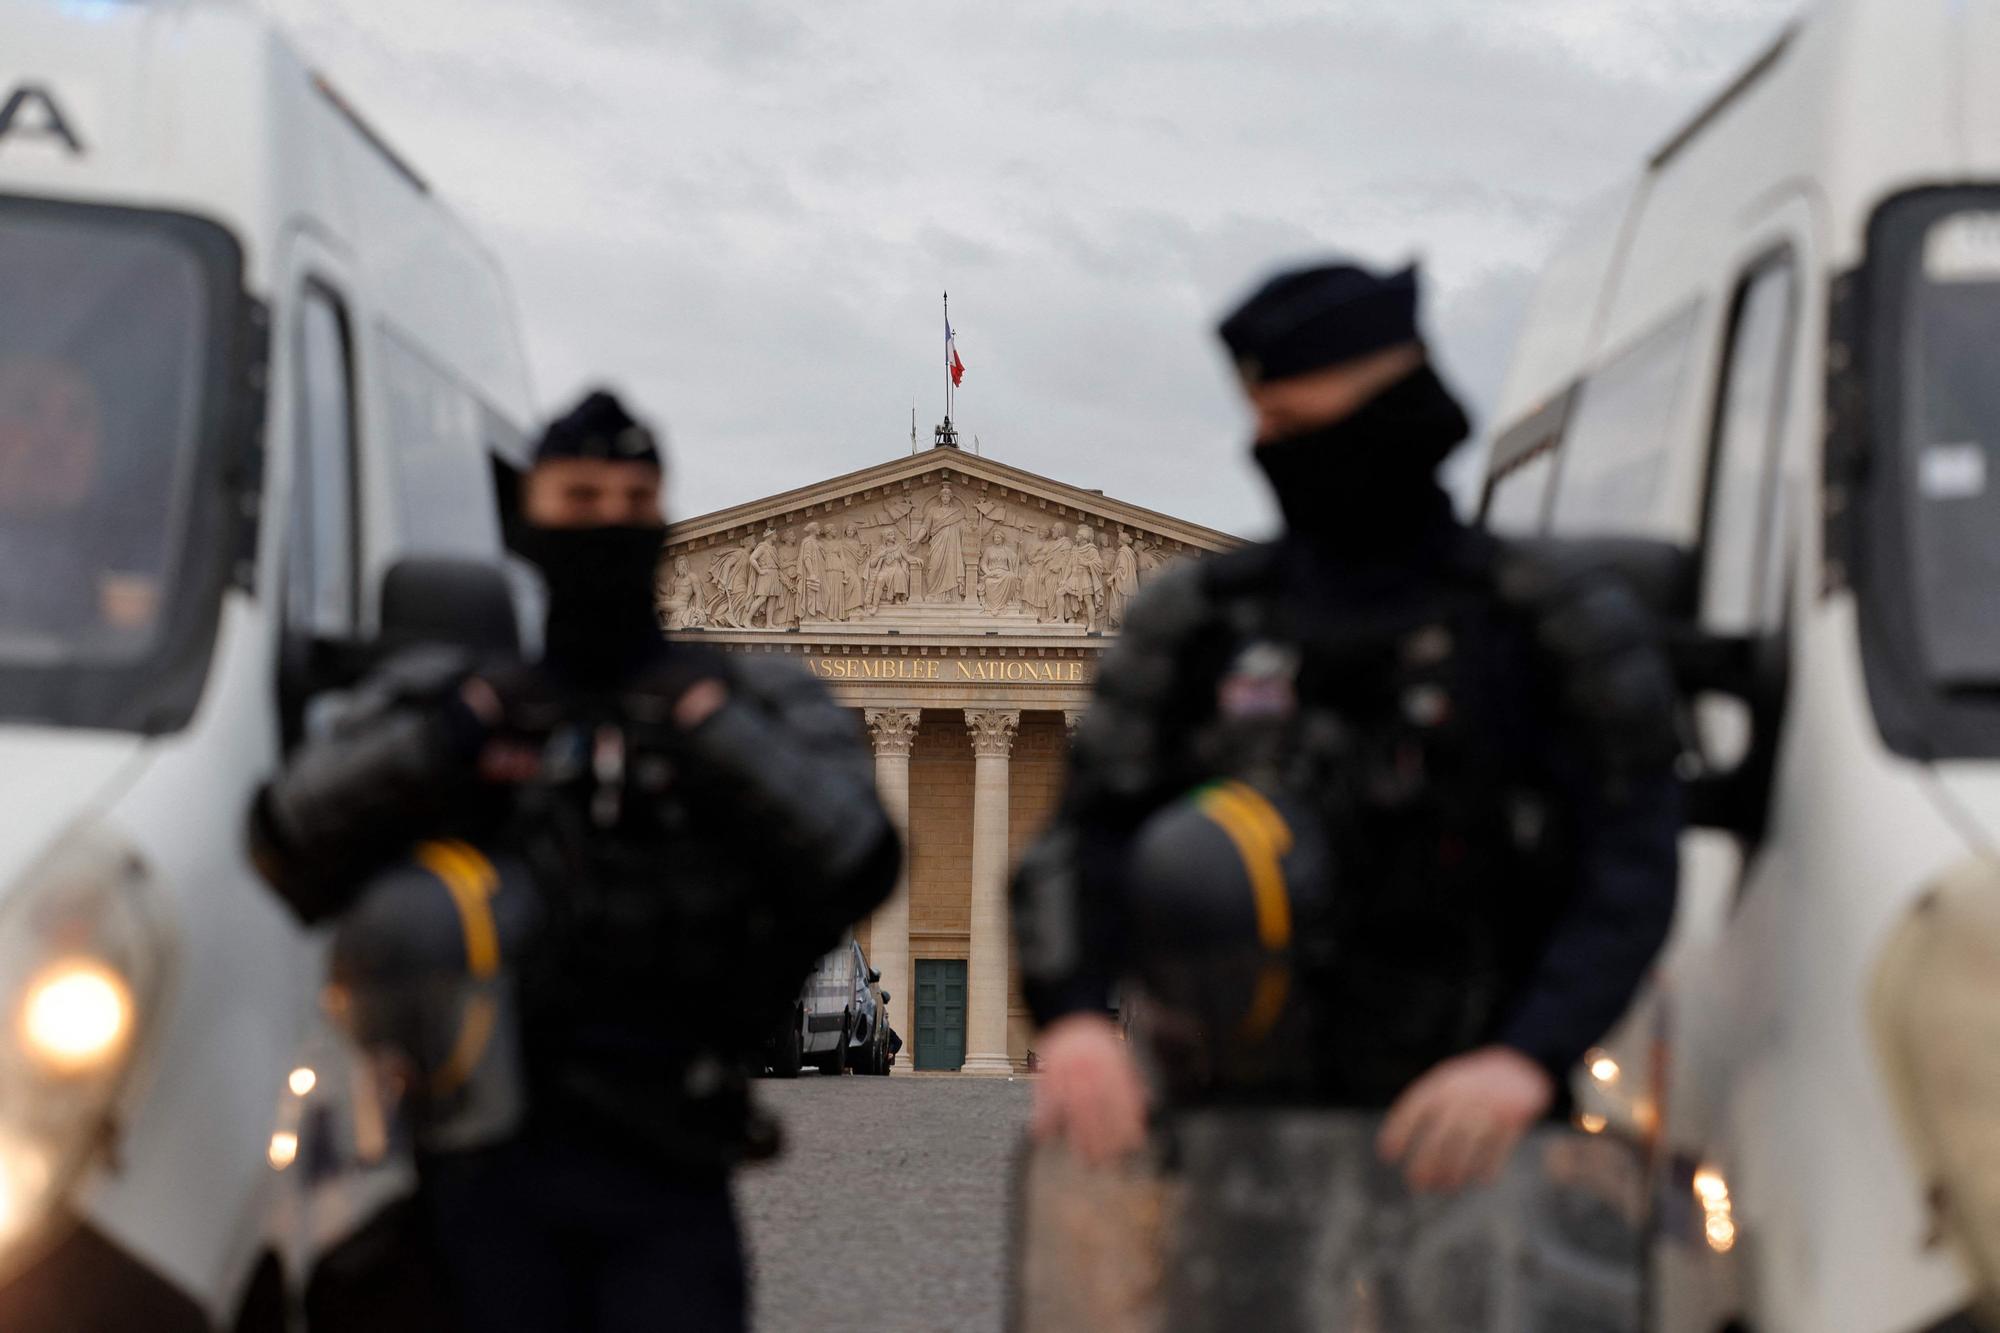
[1082,587]
[789,608]
[849,556]
[942,533]
[999,576]
[1047,574]
[889,573]
[765,582]
[1150,560]
[681,607]
[729,586]
[741,580]
[1122,585]
[812,573]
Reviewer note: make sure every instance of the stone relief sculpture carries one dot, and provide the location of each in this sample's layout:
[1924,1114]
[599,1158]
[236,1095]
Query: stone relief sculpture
[849,557]
[766,582]
[1122,584]
[680,600]
[1082,589]
[888,579]
[937,554]
[942,533]
[999,577]
[812,574]
[1045,575]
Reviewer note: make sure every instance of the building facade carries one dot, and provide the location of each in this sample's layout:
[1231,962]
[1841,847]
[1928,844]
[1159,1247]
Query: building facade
[959,606]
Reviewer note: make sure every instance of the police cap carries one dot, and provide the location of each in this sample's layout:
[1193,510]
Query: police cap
[599,427]
[1308,319]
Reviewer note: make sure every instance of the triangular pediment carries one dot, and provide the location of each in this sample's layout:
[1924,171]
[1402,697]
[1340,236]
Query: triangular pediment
[941,542]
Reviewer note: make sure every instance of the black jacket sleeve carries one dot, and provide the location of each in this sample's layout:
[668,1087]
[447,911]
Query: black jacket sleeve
[1130,757]
[1610,694]
[388,772]
[792,770]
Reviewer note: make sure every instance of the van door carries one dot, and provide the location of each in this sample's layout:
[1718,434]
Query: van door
[1744,520]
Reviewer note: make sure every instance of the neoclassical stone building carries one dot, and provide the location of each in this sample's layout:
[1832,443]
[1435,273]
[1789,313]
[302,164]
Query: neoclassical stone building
[959,606]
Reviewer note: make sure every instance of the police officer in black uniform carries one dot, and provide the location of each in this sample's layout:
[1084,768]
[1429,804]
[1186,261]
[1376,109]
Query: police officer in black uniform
[1463,749]
[700,827]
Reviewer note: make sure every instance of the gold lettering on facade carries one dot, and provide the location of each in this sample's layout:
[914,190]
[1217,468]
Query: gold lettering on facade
[1007,670]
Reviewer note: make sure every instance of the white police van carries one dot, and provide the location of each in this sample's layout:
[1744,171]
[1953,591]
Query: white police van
[1779,347]
[247,361]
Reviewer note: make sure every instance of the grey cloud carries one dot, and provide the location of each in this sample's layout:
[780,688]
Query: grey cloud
[744,212]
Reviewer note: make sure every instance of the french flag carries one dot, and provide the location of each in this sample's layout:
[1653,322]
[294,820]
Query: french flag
[951,353]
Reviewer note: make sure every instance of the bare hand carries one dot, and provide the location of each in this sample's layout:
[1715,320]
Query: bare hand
[1090,1092]
[1458,1124]
[698,703]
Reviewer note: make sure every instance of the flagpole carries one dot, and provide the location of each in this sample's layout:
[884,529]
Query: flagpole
[947,358]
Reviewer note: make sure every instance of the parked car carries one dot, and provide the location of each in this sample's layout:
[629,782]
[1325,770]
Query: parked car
[839,1022]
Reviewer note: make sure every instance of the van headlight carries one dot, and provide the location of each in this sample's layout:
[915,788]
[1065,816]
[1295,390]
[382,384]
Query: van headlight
[1936,1013]
[83,960]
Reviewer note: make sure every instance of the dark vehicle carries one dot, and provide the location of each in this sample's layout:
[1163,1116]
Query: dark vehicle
[840,1022]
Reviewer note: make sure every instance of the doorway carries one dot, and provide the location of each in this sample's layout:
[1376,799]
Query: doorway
[940,1013]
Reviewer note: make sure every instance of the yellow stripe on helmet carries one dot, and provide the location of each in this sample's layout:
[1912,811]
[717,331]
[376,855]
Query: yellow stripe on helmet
[1261,837]
[470,880]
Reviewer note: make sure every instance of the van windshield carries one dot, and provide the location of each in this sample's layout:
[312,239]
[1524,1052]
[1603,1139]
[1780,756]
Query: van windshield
[99,385]
[107,344]
[1949,357]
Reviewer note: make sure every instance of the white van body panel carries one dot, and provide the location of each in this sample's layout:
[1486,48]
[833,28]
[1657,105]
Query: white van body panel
[66,774]
[199,107]
[1773,1074]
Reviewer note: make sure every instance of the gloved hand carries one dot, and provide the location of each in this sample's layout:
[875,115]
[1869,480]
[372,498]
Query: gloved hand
[493,715]
[687,687]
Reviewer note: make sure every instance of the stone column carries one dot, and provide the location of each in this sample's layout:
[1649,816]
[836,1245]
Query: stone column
[895,731]
[986,1005]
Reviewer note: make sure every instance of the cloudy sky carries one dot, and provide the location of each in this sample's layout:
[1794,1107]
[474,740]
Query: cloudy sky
[744,212]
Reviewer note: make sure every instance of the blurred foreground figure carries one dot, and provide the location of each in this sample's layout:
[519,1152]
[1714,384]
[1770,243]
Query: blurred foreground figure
[693,830]
[1380,815]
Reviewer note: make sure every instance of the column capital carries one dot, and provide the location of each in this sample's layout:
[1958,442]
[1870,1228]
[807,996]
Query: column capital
[1071,717]
[894,729]
[992,730]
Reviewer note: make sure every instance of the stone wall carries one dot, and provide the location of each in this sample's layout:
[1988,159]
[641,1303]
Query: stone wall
[941,837]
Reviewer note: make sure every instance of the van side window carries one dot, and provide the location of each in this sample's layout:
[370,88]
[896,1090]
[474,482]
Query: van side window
[438,439]
[1740,541]
[1615,451]
[320,580]
[1517,502]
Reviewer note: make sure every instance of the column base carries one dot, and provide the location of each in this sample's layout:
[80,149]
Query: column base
[986,1064]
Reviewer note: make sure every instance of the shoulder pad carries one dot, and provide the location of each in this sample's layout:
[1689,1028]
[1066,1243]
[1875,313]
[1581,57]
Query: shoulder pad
[1660,574]
[1172,605]
[1598,629]
[768,676]
[1246,569]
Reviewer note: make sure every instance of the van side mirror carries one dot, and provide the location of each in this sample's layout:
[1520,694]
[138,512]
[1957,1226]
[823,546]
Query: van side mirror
[1735,686]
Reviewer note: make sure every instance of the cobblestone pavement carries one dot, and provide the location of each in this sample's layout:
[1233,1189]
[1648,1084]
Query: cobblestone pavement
[888,1211]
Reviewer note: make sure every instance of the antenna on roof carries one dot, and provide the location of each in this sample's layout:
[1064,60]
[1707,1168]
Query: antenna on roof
[913,425]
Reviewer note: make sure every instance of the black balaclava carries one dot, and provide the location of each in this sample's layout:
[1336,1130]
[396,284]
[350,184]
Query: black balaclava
[1366,485]
[602,625]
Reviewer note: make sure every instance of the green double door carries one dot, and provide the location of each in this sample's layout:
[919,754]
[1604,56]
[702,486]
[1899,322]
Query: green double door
[940,1013]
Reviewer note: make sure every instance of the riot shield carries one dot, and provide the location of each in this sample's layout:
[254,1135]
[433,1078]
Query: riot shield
[1281,1220]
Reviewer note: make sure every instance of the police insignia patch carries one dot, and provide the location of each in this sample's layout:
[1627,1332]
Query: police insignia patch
[1260,683]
